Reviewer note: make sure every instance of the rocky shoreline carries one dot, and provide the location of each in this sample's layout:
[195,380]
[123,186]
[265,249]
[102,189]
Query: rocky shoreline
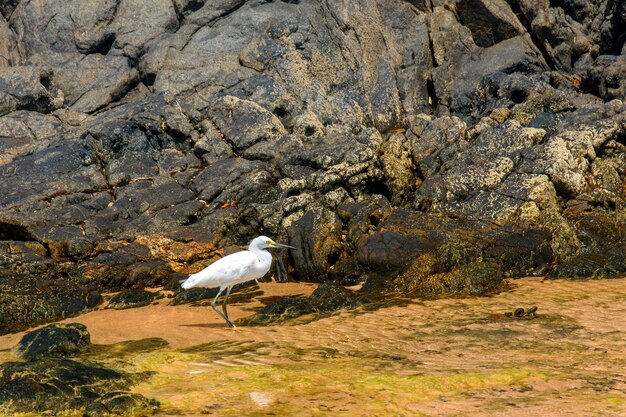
[430,148]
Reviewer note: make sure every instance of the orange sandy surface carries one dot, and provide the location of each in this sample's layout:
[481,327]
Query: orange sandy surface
[448,357]
[180,325]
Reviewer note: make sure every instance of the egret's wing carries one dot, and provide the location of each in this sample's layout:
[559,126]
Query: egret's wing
[228,270]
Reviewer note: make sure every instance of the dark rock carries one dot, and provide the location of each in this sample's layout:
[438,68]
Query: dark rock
[364,217]
[53,340]
[68,33]
[32,291]
[8,51]
[405,283]
[94,81]
[606,77]
[602,252]
[28,88]
[520,313]
[7,7]
[592,263]
[131,298]
[135,27]
[77,49]
[332,296]
[400,238]
[414,249]
[489,23]
[572,32]
[244,123]
[387,250]
[454,47]
[231,181]
[193,295]
[59,385]
[515,249]
[317,237]
[123,268]
[476,278]
[66,167]
[24,131]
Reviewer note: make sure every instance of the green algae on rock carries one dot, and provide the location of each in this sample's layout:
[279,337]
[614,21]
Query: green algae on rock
[60,385]
[131,299]
[423,278]
[34,289]
[53,340]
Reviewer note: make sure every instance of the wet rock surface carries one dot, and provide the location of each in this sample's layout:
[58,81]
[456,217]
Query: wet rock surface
[59,384]
[61,340]
[136,142]
[50,383]
[131,298]
[34,289]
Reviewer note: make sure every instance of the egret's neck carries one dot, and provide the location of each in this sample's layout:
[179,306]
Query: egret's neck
[263,254]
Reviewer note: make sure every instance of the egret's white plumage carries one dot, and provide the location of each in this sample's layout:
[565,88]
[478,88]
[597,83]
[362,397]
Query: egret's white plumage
[234,269]
[231,270]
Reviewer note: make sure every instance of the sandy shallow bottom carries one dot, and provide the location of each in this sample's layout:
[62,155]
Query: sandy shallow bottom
[454,357]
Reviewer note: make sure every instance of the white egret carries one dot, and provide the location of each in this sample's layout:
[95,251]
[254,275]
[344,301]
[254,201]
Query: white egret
[233,269]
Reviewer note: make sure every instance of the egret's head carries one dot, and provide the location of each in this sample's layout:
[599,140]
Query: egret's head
[264,242]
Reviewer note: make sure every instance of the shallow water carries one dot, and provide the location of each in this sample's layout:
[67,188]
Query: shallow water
[454,357]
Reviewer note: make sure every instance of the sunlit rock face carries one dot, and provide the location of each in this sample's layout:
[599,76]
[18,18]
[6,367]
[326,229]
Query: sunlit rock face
[138,139]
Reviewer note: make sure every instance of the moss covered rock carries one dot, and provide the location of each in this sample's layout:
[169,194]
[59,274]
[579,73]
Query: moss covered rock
[132,298]
[59,385]
[53,340]
[34,291]
[424,278]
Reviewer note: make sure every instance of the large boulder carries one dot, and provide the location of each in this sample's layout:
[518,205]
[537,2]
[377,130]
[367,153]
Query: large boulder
[317,239]
[53,340]
[60,385]
[28,88]
[423,279]
[34,289]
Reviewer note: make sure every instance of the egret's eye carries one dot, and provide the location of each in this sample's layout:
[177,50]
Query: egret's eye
[269,242]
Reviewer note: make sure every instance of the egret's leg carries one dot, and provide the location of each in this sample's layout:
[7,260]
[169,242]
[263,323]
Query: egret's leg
[224,305]
[213,304]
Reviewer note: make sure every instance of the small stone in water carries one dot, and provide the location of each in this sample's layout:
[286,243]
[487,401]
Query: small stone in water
[520,313]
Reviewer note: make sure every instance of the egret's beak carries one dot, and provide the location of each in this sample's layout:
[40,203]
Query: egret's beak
[280,245]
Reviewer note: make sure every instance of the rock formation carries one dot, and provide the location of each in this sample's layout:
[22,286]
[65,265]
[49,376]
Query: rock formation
[138,139]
